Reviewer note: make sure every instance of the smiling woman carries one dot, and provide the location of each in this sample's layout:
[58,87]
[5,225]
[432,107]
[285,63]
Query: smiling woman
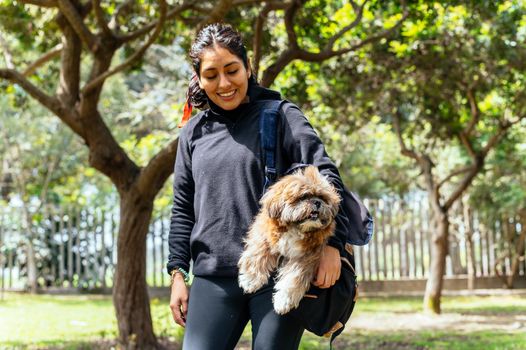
[221,66]
[219,180]
[223,77]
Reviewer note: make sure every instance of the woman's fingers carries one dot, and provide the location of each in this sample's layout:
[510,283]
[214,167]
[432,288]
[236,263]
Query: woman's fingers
[178,315]
[329,268]
[184,307]
[179,301]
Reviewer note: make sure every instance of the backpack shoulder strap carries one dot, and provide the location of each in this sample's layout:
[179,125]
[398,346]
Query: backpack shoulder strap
[268,124]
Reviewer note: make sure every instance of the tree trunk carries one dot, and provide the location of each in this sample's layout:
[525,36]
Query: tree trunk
[439,249]
[518,256]
[31,261]
[32,275]
[454,254]
[130,291]
[470,249]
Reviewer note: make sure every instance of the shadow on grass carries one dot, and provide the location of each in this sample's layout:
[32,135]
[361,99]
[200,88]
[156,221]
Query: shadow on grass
[105,344]
[355,340]
[491,311]
[428,340]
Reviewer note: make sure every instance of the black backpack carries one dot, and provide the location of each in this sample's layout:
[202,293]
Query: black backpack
[359,222]
[323,312]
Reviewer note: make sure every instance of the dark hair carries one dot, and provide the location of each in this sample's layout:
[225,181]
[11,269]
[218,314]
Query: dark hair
[214,34]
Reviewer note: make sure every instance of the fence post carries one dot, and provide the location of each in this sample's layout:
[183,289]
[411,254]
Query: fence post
[421,238]
[391,240]
[2,255]
[61,248]
[151,256]
[10,267]
[96,224]
[103,235]
[113,257]
[375,210]
[386,234]
[77,245]
[70,246]
[163,258]
[398,250]
[412,273]
[492,241]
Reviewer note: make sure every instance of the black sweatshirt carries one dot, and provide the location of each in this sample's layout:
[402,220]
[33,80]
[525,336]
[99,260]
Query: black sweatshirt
[219,180]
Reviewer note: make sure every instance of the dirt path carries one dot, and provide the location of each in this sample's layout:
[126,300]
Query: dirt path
[447,321]
[464,321]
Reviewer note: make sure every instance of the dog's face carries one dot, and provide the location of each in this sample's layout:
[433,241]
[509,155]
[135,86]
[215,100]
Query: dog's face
[304,199]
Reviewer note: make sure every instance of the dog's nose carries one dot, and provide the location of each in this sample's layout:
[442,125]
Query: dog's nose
[317,203]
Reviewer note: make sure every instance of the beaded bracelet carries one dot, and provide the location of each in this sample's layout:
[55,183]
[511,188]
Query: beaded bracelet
[186,276]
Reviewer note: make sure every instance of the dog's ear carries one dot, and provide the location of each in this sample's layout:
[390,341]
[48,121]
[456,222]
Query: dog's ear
[272,203]
[274,210]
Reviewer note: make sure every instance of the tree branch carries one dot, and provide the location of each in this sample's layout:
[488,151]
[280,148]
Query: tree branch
[105,154]
[69,82]
[251,2]
[158,170]
[218,13]
[466,181]
[15,77]
[295,52]
[275,68]
[51,103]
[122,8]
[475,112]
[41,3]
[467,144]
[359,14]
[478,160]
[454,173]
[424,161]
[290,13]
[148,27]
[77,23]
[133,58]
[99,15]
[503,128]
[201,10]
[258,34]
[383,34]
[258,30]
[48,56]
[398,131]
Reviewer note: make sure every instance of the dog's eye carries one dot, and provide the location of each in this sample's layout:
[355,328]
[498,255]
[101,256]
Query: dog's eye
[303,198]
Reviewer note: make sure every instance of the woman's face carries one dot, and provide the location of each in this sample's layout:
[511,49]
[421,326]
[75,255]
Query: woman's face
[223,77]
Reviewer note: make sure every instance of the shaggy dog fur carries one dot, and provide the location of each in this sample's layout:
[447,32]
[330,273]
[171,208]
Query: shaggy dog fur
[295,222]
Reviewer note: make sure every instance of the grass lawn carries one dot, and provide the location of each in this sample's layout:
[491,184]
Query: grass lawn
[88,322]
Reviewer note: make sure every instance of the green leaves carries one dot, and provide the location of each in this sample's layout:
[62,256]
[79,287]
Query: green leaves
[451,65]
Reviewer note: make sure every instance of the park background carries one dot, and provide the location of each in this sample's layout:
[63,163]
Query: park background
[422,105]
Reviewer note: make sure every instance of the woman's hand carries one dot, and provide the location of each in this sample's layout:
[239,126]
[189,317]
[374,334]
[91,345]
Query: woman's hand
[329,268]
[179,300]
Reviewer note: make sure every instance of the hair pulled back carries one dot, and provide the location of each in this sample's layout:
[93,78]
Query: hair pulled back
[214,34]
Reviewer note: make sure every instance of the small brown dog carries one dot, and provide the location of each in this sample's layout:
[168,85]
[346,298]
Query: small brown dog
[295,221]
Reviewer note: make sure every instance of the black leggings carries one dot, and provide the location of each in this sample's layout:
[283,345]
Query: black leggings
[218,312]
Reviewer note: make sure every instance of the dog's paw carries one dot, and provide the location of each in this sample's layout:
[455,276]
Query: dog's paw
[283,302]
[248,284]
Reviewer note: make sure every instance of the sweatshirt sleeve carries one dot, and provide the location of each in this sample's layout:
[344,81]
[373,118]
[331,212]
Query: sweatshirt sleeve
[302,145]
[182,218]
